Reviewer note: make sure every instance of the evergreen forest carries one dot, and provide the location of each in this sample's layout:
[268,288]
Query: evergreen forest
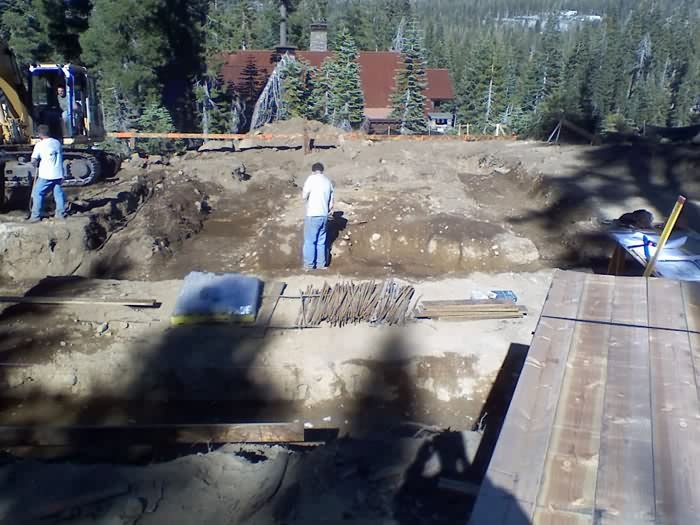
[524,64]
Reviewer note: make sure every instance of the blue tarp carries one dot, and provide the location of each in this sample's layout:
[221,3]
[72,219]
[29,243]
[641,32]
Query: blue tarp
[212,297]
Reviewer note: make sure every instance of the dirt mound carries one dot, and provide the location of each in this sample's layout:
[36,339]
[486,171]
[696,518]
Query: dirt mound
[175,211]
[296,126]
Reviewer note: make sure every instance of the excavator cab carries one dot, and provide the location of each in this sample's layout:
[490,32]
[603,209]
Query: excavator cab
[65,99]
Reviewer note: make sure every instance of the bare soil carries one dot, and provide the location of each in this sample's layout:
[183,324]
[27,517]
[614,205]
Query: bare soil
[450,217]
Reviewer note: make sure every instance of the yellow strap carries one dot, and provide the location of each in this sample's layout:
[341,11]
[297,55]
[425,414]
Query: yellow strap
[665,235]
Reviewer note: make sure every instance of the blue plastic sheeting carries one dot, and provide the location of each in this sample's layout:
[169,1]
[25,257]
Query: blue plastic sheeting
[211,297]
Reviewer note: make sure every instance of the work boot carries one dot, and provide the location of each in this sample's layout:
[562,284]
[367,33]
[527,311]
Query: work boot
[33,220]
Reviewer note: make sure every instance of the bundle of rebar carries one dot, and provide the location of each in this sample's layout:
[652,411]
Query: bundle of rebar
[351,303]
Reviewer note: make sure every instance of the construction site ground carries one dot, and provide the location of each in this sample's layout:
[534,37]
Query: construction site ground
[449,217]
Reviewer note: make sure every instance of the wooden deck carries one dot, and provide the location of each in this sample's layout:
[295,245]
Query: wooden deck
[604,425]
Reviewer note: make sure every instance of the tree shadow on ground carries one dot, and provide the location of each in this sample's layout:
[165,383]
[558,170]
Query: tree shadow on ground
[208,373]
[187,374]
[391,468]
[609,175]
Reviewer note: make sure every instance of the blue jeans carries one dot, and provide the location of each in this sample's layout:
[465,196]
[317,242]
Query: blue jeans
[315,242]
[41,188]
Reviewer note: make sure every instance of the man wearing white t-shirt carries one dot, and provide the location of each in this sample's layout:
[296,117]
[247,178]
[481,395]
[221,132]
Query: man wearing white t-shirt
[318,194]
[48,157]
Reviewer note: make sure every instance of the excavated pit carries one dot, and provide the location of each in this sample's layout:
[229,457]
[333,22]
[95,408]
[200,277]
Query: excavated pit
[451,218]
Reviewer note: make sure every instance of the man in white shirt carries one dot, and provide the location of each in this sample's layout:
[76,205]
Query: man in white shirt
[318,194]
[48,157]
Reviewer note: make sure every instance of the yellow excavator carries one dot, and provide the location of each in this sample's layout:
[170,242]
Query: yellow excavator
[64,97]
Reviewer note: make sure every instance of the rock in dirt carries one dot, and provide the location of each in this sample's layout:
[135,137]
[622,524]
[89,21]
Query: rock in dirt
[238,170]
[102,328]
[518,250]
[244,144]
[217,145]
[155,159]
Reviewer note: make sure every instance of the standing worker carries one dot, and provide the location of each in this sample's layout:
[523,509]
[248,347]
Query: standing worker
[318,195]
[48,156]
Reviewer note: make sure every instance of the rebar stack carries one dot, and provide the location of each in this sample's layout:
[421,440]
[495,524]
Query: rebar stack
[350,303]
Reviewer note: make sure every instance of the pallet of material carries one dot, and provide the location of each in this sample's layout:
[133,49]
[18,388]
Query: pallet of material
[469,310]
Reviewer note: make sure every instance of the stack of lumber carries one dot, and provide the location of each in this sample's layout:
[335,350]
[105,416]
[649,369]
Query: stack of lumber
[469,310]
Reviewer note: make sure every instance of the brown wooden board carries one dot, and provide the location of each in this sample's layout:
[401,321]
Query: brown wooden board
[674,407]
[691,298]
[604,425]
[29,299]
[150,434]
[513,478]
[625,485]
[271,296]
[572,461]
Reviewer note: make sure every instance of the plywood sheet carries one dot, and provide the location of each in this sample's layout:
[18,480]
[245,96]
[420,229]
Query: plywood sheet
[607,410]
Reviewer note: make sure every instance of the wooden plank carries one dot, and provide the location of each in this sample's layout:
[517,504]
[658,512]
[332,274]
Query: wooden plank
[513,477]
[471,317]
[469,303]
[563,299]
[30,299]
[625,485]
[691,298]
[122,436]
[674,406]
[691,302]
[571,465]
[555,517]
[503,307]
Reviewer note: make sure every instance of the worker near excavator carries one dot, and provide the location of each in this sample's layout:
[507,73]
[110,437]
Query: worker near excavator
[318,195]
[64,104]
[48,158]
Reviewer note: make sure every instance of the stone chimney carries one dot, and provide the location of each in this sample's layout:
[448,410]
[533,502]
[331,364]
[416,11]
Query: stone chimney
[319,37]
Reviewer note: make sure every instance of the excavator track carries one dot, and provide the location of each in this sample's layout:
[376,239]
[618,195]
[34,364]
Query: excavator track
[81,167]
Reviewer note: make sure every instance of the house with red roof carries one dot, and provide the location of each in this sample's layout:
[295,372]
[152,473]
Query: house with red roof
[248,70]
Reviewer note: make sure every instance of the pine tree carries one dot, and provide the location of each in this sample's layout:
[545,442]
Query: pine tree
[297,89]
[126,45]
[347,99]
[408,98]
[484,97]
[320,103]
[607,83]
[229,26]
[155,119]
[145,51]
[64,22]
[25,32]
[216,105]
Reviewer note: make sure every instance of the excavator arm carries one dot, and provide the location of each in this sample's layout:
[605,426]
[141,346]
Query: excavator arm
[15,117]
